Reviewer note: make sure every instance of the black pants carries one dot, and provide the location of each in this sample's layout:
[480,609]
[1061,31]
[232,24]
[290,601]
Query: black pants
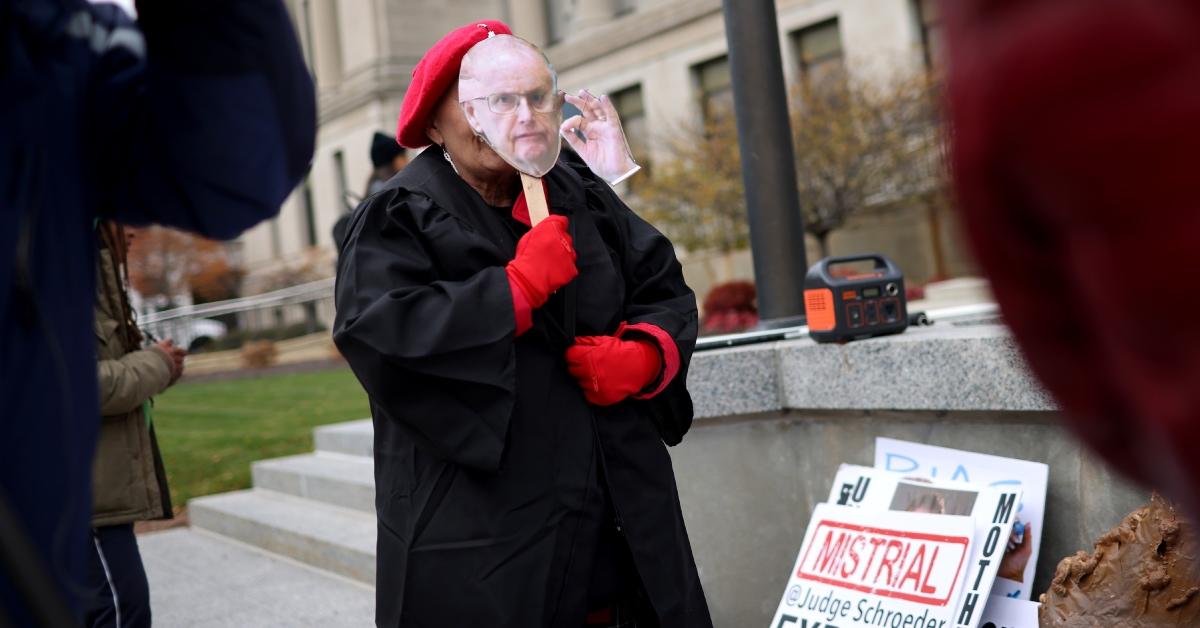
[120,596]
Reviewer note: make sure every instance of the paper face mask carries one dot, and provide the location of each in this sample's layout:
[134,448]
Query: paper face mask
[509,94]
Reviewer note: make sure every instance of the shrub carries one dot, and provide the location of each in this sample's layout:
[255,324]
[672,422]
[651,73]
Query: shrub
[730,307]
[259,354]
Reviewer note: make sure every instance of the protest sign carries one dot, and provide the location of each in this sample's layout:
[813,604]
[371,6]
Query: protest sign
[992,509]
[940,463]
[855,570]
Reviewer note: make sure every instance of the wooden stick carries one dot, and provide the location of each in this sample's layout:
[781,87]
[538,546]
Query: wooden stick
[535,198]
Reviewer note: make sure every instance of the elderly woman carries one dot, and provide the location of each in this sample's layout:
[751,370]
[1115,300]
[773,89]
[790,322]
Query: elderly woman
[522,381]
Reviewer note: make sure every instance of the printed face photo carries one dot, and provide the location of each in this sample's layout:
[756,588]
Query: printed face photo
[919,497]
[508,94]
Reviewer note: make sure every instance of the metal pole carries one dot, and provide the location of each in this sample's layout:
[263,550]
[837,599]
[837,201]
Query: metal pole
[768,163]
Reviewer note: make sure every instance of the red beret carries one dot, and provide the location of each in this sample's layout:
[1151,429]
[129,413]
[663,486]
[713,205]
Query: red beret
[434,74]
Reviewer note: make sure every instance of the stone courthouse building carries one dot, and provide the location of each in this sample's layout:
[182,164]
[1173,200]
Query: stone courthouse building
[661,61]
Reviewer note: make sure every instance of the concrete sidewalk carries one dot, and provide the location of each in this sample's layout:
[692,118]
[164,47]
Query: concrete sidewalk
[202,580]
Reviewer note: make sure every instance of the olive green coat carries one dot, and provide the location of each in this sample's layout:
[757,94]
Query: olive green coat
[128,480]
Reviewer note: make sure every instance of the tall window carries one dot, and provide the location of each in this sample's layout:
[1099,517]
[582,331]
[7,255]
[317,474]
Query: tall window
[343,189]
[818,53]
[310,215]
[276,239]
[632,110]
[715,87]
[930,22]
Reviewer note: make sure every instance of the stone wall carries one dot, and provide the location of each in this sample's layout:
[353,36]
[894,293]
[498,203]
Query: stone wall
[776,420]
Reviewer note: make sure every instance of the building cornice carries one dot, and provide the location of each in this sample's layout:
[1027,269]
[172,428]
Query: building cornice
[384,78]
[627,30]
[391,76]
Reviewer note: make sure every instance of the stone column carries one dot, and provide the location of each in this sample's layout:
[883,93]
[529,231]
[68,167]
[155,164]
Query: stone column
[588,14]
[528,20]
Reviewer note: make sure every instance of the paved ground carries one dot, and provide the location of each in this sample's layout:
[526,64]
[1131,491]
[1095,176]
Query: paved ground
[198,580]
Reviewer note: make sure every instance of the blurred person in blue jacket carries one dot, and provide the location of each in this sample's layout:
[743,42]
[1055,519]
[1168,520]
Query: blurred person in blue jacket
[200,116]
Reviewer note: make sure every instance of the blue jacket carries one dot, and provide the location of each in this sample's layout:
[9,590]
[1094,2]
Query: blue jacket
[201,116]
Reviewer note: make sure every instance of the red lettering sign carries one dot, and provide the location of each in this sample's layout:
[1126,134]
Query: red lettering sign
[912,566]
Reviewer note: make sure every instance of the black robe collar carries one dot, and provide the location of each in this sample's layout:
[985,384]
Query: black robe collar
[432,174]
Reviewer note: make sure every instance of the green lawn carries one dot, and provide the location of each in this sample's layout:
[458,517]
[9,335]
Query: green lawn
[210,432]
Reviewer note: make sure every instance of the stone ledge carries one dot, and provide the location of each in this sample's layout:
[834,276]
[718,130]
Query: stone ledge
[728,382]
[937,368]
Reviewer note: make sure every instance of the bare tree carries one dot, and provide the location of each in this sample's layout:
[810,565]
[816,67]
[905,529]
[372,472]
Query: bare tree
[168,263]
[858,146]
[863,145]
[694,191]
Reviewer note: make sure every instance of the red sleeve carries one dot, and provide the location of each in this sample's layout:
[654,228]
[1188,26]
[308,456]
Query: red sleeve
[666,348]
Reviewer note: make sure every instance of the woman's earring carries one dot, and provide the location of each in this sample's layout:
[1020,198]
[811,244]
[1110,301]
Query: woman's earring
[450,161]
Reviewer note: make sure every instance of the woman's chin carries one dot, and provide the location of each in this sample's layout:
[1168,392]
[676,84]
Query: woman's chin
[491,161]
[501,169]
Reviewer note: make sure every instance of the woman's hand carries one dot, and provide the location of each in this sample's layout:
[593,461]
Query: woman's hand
[177,354]
[545,261]
[610,370]
[597,136]
[1012,566]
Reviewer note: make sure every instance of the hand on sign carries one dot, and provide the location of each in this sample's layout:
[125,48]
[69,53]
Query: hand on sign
[545,260]
[609,370]
[597,136]
[1012,566]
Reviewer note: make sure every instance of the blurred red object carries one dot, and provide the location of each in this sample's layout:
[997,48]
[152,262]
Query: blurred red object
[1076,130]
[730,307]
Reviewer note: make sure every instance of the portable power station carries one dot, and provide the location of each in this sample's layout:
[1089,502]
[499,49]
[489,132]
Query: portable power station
[846,304]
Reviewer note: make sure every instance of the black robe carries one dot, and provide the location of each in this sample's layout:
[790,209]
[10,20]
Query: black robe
[491,469]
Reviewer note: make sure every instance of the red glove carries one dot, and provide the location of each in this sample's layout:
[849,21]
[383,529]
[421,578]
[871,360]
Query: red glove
[545,261]
[610,369]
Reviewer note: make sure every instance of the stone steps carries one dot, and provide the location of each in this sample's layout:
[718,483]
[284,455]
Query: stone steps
[330,478]
[200,580]
[317,509]
[354,438]
[328,537]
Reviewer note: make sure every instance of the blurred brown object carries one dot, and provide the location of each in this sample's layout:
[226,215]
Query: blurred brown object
[1142,573]
[258,354]
[730,307]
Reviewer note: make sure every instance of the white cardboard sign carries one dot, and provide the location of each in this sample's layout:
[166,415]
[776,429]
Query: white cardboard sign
[953,465]
[1003,612]
[993,511]
[854,570]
